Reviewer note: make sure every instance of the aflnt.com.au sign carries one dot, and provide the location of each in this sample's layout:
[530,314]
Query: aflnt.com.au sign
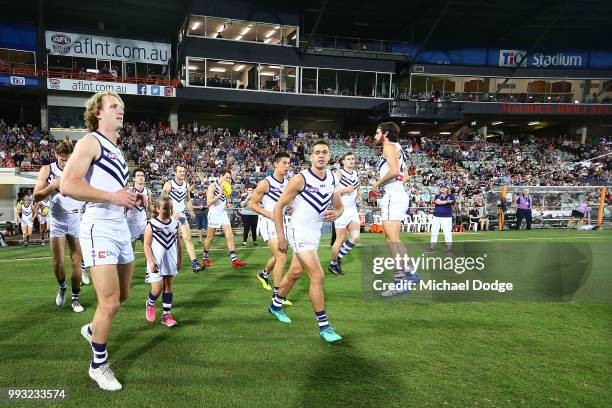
[121,49]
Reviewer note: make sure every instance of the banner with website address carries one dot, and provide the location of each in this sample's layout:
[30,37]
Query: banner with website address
[83,85]
[92,46]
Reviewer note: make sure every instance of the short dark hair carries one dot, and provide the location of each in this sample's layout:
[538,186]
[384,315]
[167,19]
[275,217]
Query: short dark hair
[223,171]
[392,130]
[281,155]
[349,153]
[136,171]
[319,142]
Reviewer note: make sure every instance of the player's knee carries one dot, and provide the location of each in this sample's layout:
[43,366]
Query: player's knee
[58,264]
[317,278]
[355,238]
[110,306]
[280,257]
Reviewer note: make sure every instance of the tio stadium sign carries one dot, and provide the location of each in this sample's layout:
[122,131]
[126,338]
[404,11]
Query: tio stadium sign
[511,58]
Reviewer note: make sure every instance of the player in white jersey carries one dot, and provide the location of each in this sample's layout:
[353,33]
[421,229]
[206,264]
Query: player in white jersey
[162,248]
[64,220]
[265,197]
[137,216]
[313,194]
[394,204]
[25,218]
[348,187]
[97,173]
[178,190]
[218,218]
[44,208]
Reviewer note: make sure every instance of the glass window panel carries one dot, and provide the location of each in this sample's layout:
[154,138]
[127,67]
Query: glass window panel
[196,26]
[215,27]
[269,77]
[242,31]
[382,85]
[366,82]
[268,33]
[219,74]
[59,63]
[21,59]
[196,72]
[327,82]
[347,83]
[309,80]
[244,75]
[289,34]
[288,79]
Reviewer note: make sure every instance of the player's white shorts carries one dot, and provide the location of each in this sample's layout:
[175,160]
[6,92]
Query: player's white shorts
[156,277]
[136,230]
[105,243]
[303,239]
[218,220]
[349,215]
[61,225]
[181,218]
[394,205]
[266,228]
[44,220]
[25,224]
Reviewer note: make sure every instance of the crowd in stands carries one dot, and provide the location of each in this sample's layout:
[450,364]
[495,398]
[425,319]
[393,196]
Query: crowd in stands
[472,167]
[438,96]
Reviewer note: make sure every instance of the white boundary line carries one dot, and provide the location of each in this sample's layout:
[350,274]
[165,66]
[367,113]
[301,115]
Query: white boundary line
[359,245]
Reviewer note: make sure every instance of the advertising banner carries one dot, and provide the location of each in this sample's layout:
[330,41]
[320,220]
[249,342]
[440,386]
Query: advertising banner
[84,85]
[120,49]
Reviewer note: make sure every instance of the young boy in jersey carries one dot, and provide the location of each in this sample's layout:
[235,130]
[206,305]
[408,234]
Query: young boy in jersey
[348,185]
[164,259]
[25,217]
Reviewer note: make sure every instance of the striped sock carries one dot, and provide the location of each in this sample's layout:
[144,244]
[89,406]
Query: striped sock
[62,284]
[82,266]
[346,248]
[322,320]
[89,331]
[264,274]
[275,290]
[277,301]
[100,355]
[167,302]
[75,294]
[151,300]
[233,255]
[399,275]
[205,255]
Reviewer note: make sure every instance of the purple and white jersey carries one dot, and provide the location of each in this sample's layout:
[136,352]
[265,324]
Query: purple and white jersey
[313,200]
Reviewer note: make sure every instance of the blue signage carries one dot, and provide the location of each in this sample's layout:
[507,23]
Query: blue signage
[16,80]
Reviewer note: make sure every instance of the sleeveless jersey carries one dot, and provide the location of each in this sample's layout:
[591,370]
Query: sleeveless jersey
[108,173]
[219,206]
[60,204]
[349,180]
[383,168]
[27,213]
[163,244]
[178,194]
[46,203]
[313,200]
[138,215]
[275,190]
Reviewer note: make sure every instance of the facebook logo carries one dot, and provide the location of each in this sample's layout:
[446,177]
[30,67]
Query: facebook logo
[142,89]
[155,90]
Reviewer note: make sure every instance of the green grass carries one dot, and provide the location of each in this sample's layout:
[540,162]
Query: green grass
[227,351]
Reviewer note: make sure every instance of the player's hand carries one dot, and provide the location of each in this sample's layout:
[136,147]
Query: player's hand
[179,264]
[192,214]
[330,215]
[350,189]
[283,245]
[124,198]
[155,268]
[55,183]
[270,215]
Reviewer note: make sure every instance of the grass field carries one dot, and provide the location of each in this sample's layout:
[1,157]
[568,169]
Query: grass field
[228,351]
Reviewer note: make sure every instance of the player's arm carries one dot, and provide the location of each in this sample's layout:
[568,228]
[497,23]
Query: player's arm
[211,198]
[166,189]
[262,188]
[42,189]
[147,241]
[341,189]
[390,155]
[440,202]
[18,213]
[72,184]
[295,186]
[332,215]
[179,253]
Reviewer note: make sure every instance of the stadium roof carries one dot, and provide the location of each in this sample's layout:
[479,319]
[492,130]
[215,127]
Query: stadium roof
[513,23]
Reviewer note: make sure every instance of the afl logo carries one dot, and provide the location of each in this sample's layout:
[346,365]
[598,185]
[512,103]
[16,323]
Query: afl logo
[54,83]
[61,39]
[111,156]
[311,189]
